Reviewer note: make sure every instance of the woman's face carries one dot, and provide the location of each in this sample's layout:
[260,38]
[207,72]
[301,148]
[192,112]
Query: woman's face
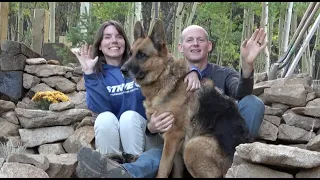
[112,44]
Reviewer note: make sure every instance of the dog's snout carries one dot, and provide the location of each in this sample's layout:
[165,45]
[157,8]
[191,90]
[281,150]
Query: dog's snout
[125,71]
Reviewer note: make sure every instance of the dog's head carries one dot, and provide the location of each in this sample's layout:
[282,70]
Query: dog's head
[148,55]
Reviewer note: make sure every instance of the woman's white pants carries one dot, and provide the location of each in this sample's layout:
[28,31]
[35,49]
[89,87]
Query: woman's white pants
[126,134]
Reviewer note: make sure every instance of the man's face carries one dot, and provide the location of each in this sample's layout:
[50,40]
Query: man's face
[195,45]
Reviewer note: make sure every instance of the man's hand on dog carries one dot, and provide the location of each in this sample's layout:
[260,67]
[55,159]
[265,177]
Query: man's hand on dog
[160,123]
[192,80]
[85,59]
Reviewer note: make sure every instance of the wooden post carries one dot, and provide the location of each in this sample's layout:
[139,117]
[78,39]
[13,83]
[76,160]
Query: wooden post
[40,30]
[4,10]
[52,37]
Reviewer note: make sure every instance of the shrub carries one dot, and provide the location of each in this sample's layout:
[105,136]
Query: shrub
[43,99]
[6,149]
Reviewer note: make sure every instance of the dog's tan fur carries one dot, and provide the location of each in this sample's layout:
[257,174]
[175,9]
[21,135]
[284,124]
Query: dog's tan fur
[162,84]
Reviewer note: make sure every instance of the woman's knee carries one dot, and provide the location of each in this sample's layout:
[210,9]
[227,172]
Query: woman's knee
[105,120]
[132,119]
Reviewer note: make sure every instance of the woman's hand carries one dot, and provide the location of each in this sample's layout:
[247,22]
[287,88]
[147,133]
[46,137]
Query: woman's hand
[85,59]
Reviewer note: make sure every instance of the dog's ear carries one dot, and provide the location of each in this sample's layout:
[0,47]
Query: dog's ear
[138,31]
[158,34]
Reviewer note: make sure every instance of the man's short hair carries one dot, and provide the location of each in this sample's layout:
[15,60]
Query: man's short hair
[191,26]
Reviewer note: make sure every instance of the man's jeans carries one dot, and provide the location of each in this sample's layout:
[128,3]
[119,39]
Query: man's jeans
[146,166]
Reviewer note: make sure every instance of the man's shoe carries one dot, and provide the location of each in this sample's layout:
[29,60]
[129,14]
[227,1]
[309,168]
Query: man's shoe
[92,164]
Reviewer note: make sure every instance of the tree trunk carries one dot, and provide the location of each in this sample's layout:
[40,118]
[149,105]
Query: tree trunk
[191,16]
[287,27]
[244,30]
[177,29]
[20,22]
[294,22]
[84,8]
[52,31]
[313,55]
[251,27]
[270,35]
[280,36]
[153,15]
[304,59]
[170,20]
[137,12]
[156,10]
[128,25]
[294,26]
[266,25]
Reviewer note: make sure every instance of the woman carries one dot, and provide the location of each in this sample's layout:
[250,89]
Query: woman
[118,101]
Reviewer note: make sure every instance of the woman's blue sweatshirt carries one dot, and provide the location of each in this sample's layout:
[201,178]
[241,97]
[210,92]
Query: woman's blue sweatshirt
[110,91]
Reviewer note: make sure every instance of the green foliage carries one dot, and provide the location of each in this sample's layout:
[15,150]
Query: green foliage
[43,104]
[64,53]
[105,11]
[89,23]
[27,7]
[216,18]
[27,37]
[7,149]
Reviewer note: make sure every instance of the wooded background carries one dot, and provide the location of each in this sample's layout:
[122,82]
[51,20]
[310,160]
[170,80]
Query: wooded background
[228,24]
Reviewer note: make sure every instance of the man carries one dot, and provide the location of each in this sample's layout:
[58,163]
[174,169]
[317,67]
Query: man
[195,46]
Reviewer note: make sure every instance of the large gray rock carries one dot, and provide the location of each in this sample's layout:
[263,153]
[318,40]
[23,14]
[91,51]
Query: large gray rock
[30,81]
[62,166]
[11,117]
[10,62]
[33,118]
[272,119]
[247,170]
[50,52]
[268,131]
[19,170]
[292,95]
[80,85]
[37,88]
[79,99]
[273,111]
[61,106]
[39,136]
[81,137]
[15,47]
[14,55]
[8,129]
[314,144]
[294,134]
[278,155]
[11,84]
[315,102]
[309,173]
[60,83]
[299,121]
[302,79]
[34,61]
[307,111]
[46,70]
[6,106]
[39,161]
[54,148]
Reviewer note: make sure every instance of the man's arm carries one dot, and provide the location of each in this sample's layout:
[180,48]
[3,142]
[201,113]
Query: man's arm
[238,86]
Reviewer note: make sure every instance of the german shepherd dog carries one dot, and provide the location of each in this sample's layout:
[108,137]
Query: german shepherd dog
[207,126]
